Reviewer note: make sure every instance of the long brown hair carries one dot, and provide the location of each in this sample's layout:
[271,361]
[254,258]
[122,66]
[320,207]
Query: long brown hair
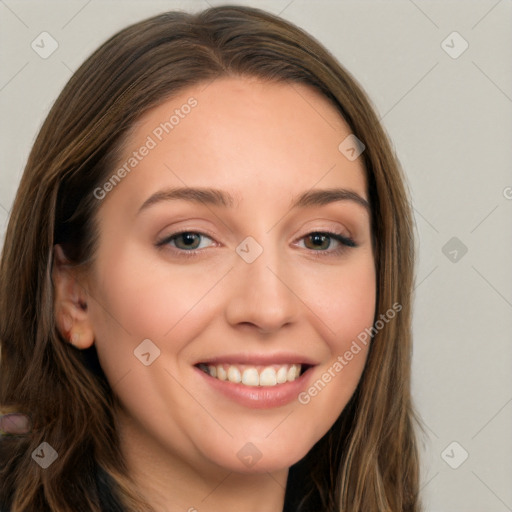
[368,460]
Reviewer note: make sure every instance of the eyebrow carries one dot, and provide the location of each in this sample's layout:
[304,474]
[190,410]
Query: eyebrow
[216,197]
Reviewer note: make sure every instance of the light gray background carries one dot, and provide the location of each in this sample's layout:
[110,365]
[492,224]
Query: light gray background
[450,121]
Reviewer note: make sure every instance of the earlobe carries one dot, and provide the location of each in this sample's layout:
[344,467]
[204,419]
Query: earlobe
[72,317]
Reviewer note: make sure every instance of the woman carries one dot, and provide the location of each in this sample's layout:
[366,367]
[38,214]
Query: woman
[253,372]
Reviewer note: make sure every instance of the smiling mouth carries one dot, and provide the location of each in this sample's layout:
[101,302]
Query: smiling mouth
[255,375]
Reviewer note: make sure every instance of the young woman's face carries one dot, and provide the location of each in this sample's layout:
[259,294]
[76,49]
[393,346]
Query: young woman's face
[253,286]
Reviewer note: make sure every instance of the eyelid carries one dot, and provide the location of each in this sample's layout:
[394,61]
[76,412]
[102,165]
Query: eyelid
[336,229]
[165,239]
[345,243]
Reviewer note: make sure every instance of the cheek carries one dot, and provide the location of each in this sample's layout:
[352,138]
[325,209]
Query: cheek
[141,298]
[343,300]
[345,312]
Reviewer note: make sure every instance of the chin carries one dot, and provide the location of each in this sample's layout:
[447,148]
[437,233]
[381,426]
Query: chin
[259,456]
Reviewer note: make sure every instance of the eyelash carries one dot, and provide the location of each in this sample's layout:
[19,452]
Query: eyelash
[345,243]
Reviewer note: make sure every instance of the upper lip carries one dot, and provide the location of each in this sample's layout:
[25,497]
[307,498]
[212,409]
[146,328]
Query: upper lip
[259,359]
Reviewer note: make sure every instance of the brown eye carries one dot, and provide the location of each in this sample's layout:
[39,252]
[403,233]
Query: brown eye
[321,241]
[318,241]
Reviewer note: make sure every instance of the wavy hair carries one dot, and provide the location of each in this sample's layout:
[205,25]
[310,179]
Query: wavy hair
[368,460]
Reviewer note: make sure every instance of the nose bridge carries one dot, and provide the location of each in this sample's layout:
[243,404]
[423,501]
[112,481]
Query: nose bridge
[261,294]
[263,264]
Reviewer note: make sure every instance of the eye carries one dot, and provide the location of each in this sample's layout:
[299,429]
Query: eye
[321,241]
[188,243]
[185,240]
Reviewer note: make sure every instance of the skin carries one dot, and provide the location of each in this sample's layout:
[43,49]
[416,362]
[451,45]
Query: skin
[264,143]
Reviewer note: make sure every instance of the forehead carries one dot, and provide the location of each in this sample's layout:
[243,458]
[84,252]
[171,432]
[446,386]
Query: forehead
[247,136]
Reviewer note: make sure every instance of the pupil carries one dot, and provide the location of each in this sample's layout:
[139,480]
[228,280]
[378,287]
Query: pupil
[318,238]
[188,238]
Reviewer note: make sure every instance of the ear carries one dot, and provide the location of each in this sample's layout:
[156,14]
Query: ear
[70,303]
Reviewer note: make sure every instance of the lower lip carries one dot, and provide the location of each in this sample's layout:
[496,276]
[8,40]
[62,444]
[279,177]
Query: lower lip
[259,397]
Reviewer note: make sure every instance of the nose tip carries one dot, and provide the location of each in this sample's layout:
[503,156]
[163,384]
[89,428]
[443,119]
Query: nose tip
[260,296]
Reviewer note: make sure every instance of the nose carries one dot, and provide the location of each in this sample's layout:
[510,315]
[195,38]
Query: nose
[261,293]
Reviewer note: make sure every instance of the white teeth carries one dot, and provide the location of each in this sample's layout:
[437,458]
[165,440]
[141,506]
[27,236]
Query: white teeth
[292,373]
[268,377]
[234,374]
[221,373]
[252,375]
[281,375]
